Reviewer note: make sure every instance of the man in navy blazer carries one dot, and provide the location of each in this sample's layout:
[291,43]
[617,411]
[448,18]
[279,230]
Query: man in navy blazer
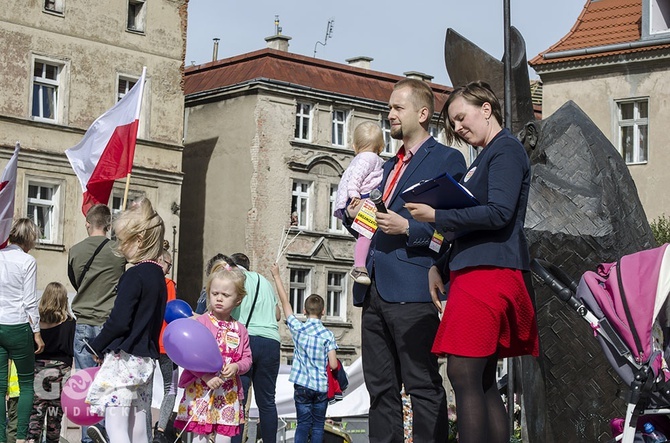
[399,320]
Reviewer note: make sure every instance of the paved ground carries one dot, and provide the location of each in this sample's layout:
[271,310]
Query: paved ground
[71,433]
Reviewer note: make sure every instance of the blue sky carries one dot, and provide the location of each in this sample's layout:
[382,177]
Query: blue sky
[399,36]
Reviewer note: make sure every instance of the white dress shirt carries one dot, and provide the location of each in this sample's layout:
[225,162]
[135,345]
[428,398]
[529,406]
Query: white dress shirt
[18,288]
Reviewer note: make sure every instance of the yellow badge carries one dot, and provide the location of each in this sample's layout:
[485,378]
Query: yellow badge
[436,241]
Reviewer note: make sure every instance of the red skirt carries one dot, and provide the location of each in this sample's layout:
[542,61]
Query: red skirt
[488,310]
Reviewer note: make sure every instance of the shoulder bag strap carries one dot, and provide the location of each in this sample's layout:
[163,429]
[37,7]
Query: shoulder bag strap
[253,305]
[90,260]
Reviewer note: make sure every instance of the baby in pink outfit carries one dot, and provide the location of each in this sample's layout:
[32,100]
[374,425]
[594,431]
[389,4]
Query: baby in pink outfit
[362,176]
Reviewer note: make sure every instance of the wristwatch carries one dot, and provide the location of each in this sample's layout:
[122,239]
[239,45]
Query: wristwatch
[407,230]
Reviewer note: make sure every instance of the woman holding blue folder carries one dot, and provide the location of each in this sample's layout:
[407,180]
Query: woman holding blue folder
[489,313]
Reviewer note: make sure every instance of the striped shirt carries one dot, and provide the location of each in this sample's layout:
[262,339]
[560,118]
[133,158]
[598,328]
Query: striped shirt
[310,358]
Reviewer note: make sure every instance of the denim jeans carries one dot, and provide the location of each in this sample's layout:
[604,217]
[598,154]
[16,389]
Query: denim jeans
[310,409]
[263,376]
[84,359]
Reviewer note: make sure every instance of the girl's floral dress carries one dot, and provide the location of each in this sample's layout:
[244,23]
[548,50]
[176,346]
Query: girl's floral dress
[220,410]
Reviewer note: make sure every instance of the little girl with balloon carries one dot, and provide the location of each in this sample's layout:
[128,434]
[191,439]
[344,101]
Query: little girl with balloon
[213,398]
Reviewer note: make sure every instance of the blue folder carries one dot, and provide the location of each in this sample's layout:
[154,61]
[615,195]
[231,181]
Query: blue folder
[441,192]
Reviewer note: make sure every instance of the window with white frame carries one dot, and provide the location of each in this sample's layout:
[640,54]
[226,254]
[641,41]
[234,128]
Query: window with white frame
[46,90]
[53,6]
[335,224]
[339,136]
[659,19]
[388,140]
[298,289]
[303,115]
[336,301]
[117,200]
[300,203]
[43,209]
[125,84]
[633,130]
[137,12]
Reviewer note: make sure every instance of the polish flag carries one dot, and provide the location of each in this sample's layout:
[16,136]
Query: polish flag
[106,152]
[7,188]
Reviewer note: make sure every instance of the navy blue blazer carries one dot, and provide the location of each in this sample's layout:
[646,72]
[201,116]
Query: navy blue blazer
[135,322]
[491,234]
[400,264]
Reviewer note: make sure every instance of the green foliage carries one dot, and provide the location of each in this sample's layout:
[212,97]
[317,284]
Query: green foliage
[660,227]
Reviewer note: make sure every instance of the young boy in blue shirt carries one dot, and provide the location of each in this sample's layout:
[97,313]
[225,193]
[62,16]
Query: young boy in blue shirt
[314,352]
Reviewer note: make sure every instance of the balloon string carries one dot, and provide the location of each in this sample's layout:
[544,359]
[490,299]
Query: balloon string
[198,412]
[284,236]
[289,244]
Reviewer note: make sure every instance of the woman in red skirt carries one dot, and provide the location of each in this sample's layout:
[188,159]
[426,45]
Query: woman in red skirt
[489,313]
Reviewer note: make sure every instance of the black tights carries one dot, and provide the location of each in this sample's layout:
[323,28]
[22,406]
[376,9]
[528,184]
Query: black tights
[481,413]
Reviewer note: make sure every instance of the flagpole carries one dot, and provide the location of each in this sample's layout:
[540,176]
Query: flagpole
[137,116]
[125,192]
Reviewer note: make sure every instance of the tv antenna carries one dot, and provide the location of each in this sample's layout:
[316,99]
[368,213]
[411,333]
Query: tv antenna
[329,33]
[277,27]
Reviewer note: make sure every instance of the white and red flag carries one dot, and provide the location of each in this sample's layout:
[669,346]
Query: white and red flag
[106,152]
[7,189]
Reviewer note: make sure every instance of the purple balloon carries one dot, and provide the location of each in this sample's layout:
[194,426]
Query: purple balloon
[190,344]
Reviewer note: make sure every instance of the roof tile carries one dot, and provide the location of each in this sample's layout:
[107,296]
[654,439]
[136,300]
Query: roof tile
[299,70]
[601,23]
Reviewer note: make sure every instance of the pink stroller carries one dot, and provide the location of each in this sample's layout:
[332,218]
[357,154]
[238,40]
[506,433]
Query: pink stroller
[626,305]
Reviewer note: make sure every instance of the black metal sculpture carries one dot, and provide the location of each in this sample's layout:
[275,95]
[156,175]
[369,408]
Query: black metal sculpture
[583,210]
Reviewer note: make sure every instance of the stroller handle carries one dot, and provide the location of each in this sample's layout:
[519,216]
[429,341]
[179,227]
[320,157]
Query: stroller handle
[558,281]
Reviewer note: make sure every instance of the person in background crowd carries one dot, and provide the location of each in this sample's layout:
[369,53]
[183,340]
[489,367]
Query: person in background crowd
[20,337]
[94,272]
[168,369]
[53,365]
[259,313]
[314,353]
[12,403]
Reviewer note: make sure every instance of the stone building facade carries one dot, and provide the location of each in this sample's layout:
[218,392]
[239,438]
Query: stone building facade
[615,65]
[63,64]
[267,137]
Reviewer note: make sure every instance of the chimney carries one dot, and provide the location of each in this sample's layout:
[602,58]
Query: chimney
[360,62]
[215,51]
[278,42]
[418,75]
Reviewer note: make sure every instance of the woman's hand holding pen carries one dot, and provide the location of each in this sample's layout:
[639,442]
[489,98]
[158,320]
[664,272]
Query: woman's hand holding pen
[421,212]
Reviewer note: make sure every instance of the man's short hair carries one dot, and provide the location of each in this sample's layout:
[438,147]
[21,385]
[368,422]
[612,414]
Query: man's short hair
[241,259]
[99,216]
[314,305]
[422,94]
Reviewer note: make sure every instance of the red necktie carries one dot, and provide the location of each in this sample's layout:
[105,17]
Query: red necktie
[395,174]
